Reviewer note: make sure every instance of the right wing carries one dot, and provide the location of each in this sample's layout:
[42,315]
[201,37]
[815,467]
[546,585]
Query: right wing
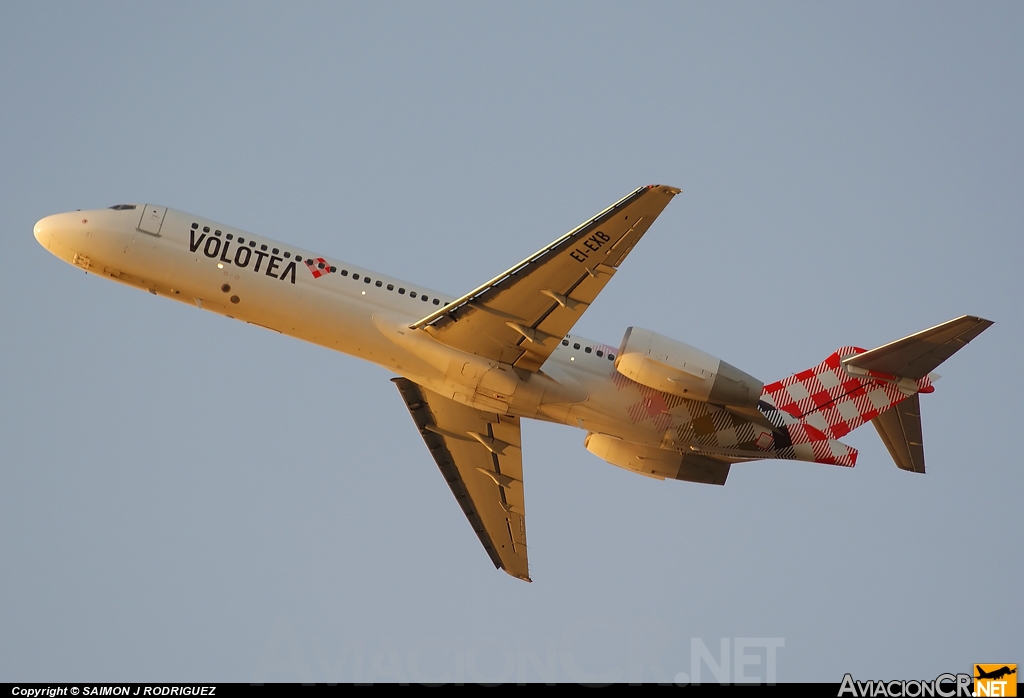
[521,315]
[481,458]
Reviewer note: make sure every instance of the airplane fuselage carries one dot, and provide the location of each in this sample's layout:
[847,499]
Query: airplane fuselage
[349,309]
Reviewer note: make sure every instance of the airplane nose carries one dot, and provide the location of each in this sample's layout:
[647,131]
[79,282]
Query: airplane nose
[56,231]
[42,231]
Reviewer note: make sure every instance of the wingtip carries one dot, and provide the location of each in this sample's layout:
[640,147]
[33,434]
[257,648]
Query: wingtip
[665,188]
[525,576]
[976,319]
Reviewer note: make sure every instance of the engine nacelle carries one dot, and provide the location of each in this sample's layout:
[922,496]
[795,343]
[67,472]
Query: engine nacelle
[673,367]
[655,462]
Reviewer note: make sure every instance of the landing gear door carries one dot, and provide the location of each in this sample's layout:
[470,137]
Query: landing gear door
[152,219]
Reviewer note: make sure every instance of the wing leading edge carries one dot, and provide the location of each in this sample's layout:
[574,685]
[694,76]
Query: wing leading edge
[521,315]
[480,456]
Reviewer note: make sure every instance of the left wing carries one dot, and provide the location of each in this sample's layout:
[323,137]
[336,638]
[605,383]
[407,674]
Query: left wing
[481,458]
[521,315]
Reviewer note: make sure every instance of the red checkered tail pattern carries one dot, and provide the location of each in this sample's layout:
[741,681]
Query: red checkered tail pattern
[832,399]
[816,407]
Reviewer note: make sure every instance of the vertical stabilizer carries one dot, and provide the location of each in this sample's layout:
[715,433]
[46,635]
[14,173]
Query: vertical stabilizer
[913,358]
[853,386]
[833,401]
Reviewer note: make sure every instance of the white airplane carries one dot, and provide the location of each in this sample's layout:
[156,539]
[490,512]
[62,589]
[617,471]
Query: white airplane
[470,367]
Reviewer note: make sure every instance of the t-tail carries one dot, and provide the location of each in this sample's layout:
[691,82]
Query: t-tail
[815,408]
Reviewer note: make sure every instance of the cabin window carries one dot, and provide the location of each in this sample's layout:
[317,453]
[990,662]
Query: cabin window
[206,228]
[217,233]
[230,236]
[575,346]
[378,284]
[588,350]
[391,287]
[366,279]
[252,243]
[195,226]
[600,353]
[344,272]
[611,357]
[262,247]
[437,301]
[412,294]
[565,342]
[334,269]
[241,241]
[287,255]
[275,251]
[320,265]
[401,291]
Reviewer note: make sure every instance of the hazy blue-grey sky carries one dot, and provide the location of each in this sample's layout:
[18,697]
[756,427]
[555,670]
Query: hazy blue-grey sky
[183,497]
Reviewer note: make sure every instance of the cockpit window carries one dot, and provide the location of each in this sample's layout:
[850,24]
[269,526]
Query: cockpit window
[124,207]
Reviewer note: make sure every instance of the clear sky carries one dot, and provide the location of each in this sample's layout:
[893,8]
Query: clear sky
[183,497]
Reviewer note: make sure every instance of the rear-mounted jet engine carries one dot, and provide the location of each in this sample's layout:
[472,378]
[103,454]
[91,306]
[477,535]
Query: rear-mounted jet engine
[673,367]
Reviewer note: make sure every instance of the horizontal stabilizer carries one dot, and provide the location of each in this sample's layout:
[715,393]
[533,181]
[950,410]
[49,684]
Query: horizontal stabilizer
[917,355]
[900,429]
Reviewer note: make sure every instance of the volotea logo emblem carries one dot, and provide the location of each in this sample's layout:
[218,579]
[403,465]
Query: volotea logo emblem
[318,267]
